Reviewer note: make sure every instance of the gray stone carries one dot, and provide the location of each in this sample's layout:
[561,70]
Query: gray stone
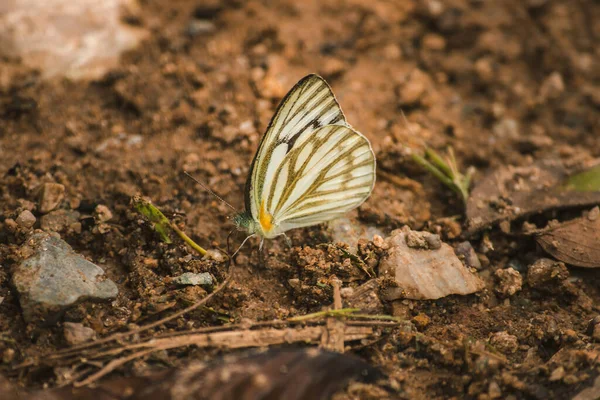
[190,278]
[61,220]
[53,277]
[466,253]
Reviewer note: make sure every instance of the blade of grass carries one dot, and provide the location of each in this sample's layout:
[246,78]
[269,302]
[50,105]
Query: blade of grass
[162,223]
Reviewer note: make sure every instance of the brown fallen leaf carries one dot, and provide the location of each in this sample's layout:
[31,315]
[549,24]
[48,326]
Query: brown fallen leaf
[575,242]
[510,192]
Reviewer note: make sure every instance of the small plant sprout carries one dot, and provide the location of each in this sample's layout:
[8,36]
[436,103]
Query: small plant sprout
[162,225]
[446,170]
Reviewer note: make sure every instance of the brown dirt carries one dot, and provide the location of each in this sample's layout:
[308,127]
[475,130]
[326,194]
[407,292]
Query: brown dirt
[462,71]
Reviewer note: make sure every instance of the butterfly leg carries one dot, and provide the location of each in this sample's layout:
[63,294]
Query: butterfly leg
[288,241]
[261,253]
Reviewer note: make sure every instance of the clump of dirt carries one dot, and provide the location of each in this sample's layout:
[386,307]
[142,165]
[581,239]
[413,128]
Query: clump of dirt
[502,83]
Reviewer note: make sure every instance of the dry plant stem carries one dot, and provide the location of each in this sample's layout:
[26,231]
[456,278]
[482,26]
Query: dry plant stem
[321,314]
[117,336]
[231,340]
[214,330]
[111,366]
[333,334]
[337,296]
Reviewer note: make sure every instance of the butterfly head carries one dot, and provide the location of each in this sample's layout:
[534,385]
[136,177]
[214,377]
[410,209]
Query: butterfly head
[244,222]
[264,225]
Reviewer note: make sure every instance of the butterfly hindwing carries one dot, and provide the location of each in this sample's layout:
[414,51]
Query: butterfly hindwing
[329,172]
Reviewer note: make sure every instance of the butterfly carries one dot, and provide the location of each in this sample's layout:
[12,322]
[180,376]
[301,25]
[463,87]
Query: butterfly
[311,166]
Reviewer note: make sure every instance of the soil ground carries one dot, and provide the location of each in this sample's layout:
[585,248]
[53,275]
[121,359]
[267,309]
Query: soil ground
[506,82]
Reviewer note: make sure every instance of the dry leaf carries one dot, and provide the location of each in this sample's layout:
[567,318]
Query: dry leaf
[510,192]
[575,242]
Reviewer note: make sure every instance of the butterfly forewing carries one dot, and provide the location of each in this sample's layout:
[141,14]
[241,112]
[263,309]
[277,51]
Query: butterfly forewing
[311,166]
[308,106]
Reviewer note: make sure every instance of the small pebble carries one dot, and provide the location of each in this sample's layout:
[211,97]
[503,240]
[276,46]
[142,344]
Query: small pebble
[378,241]
[504,342]
[466,253]
[76,333]
[198,27]
[51,194]
[509,281]
[214,255]
[26,219]
[190,278]
[414,88]
[552,87]
[557,374]
[423,240]
[593,328]
[547,274]
[60,220]
[8,356]
[421,321]
[102,214]
[494,390]
[506,128]
[434,41]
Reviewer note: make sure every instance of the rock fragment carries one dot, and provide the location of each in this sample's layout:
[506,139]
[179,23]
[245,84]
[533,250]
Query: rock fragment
[509,281]
[61,220]
[190,278]
[53,277]
[593,328]
[547,275]
[25,219]
[467,254]
[423,240]
[76,333]
[51,194]
[424,274]
[504,342]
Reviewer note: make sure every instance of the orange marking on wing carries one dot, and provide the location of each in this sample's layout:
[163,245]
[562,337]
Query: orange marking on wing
[265,219]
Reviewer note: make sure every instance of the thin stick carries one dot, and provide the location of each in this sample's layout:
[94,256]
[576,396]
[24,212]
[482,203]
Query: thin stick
[111,366]
[327,313]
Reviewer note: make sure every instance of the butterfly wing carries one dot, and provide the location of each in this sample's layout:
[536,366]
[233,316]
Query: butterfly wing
[328,172]
[311,166]
[308,106]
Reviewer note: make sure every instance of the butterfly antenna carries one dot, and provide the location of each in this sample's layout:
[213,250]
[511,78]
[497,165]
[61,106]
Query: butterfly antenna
[210,191]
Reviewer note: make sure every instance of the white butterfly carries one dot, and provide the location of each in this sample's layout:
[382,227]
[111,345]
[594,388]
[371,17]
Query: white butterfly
[310,167]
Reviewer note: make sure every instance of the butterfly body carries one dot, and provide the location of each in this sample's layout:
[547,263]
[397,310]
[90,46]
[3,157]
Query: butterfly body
[310,167]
